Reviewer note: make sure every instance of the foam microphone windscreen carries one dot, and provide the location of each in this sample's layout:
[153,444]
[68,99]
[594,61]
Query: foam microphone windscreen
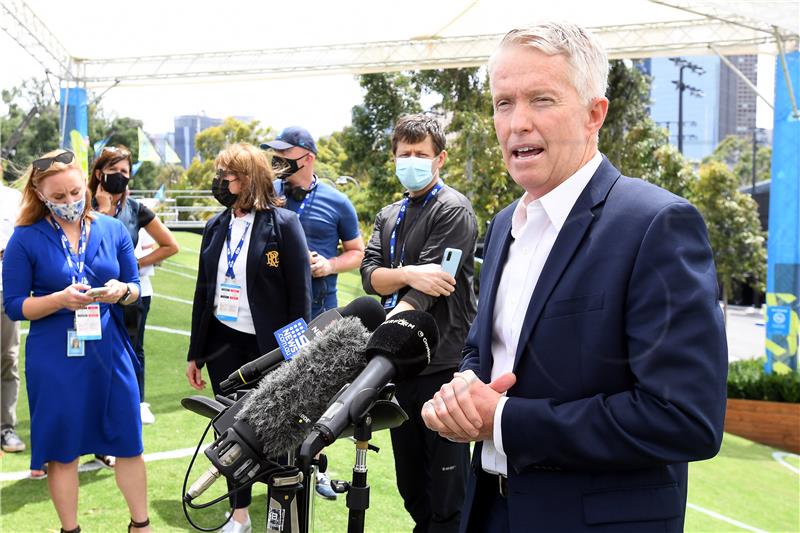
[289,400]
[408,339]
[369,310]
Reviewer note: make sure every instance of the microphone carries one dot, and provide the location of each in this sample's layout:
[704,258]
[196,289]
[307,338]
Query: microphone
[211,475]
[368,310]
[399,349]
[281,410]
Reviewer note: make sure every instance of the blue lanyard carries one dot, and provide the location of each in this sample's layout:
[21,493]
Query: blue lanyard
[312,191]
[400,216]
[232,257]
[76,263]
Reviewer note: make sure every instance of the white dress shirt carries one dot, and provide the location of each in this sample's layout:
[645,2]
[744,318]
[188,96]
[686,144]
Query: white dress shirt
[535,225]
[244,322]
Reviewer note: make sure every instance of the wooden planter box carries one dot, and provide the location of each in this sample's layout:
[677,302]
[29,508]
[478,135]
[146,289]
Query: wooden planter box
[775,424]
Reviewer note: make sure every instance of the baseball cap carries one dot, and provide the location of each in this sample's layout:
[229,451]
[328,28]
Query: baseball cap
[292,136]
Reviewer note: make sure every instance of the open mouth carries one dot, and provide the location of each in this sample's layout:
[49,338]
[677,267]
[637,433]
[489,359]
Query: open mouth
[527,152]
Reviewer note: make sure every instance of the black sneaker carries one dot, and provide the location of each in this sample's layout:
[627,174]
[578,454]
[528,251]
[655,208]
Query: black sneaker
[10,441]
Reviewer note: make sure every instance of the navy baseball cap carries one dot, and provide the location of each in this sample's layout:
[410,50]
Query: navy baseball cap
[292,136]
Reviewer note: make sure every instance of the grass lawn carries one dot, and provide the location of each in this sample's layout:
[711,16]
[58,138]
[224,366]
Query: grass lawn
[742,483]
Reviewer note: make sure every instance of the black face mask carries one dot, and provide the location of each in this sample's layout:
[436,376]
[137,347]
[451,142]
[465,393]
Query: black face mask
[220,190]
[115,183]
[285,167]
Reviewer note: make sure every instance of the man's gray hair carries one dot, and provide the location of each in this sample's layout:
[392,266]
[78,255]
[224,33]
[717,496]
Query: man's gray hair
[583,51]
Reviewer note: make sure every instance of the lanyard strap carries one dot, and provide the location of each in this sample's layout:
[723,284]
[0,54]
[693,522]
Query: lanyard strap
[400,217]
[311,191]
[232,256]
[76,263]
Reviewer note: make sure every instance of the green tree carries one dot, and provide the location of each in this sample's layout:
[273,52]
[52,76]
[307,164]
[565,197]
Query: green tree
[331,156]
[41,134]
[629,99]
[368,140]
[737,153]
[733,227]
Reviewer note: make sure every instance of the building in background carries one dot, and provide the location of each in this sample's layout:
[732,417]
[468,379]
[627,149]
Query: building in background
[186,129]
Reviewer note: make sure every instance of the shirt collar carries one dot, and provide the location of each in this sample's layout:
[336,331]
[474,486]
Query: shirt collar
[559,202]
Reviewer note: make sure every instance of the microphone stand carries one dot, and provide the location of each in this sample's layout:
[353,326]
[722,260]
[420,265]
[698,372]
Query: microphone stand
[358,489]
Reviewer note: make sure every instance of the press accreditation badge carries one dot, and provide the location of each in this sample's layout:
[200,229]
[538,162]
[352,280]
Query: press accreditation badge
[75,346]
[88,326]
[228,307]
[390,302]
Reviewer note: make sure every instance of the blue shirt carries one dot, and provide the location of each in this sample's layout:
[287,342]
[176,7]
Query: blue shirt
[328,217]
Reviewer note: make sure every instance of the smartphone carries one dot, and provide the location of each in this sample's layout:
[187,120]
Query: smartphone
[451,260]
[94,292]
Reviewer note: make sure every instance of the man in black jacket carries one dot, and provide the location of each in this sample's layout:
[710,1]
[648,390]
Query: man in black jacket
[402,265]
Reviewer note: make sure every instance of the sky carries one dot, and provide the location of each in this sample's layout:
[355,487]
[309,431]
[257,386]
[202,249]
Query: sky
[320,103]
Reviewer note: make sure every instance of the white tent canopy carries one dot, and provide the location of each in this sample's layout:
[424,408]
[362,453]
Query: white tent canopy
[149,40]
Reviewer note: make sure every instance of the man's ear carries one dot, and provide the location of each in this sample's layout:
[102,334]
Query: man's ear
[442,157]
[598,110]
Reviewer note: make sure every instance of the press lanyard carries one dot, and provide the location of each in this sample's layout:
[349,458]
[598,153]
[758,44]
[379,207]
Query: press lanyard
[76,263]
[232,257]
[402,215]
[311,191]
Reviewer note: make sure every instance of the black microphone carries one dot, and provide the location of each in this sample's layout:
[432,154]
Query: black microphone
[368,310]
[282,409]
[399,349]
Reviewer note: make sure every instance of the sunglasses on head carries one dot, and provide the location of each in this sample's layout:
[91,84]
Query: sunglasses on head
[117,150]
[44,163]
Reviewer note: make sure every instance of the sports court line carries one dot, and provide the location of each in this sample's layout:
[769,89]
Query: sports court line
[779,456]
[94,465]
[724,518]
[173,298]
[169,330]
[171,263]
[182,274]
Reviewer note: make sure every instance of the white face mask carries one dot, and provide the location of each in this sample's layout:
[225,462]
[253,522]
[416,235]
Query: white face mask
[414,173]
[71,211]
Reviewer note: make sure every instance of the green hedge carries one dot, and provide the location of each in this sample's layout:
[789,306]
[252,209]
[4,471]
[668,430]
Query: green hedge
[747,381]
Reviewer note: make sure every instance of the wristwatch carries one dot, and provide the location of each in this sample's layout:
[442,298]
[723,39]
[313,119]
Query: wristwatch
[125,296]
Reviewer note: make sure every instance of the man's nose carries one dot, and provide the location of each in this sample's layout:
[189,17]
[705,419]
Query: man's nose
[522,119]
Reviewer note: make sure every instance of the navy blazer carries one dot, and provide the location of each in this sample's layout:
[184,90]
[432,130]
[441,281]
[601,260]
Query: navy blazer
[621,364]
[278,286]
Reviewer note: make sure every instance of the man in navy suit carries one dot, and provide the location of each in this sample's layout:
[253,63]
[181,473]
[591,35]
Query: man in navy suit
[596,366]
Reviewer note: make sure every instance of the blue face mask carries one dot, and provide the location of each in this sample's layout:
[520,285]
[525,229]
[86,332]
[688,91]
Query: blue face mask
[414,173]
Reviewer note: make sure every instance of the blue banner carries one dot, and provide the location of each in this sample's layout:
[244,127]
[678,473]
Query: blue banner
[783,245]
[76,116]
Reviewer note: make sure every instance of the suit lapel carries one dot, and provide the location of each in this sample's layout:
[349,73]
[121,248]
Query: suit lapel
[219,232]
[255,251]
[567,242]
[500,242]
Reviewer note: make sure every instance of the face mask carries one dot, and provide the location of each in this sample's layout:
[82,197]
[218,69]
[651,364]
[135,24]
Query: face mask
[286,166]
[115,183]
[414,173]
[71,212]
[220,190]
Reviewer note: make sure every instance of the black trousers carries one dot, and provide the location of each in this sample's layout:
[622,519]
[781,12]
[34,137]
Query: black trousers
[431,471]
[230,350]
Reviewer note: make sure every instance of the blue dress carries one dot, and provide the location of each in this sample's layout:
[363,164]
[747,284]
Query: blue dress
[78,405]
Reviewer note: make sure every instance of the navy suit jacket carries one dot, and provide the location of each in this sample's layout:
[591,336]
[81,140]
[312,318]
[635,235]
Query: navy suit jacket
[278,290]
[621,364]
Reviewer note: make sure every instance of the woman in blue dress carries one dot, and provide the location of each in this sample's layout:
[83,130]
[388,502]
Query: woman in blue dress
[66,269]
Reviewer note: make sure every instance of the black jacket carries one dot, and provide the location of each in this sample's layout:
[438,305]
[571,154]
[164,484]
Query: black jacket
[277,295]
[447,221]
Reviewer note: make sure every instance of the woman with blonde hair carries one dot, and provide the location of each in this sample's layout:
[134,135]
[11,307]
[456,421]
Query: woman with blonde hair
[69,272]
[253,279]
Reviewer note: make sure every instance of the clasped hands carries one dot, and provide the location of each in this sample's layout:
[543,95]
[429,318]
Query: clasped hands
[463,409]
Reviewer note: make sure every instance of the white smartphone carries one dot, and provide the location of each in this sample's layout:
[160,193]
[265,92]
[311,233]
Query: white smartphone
[451,260]
[96,292]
